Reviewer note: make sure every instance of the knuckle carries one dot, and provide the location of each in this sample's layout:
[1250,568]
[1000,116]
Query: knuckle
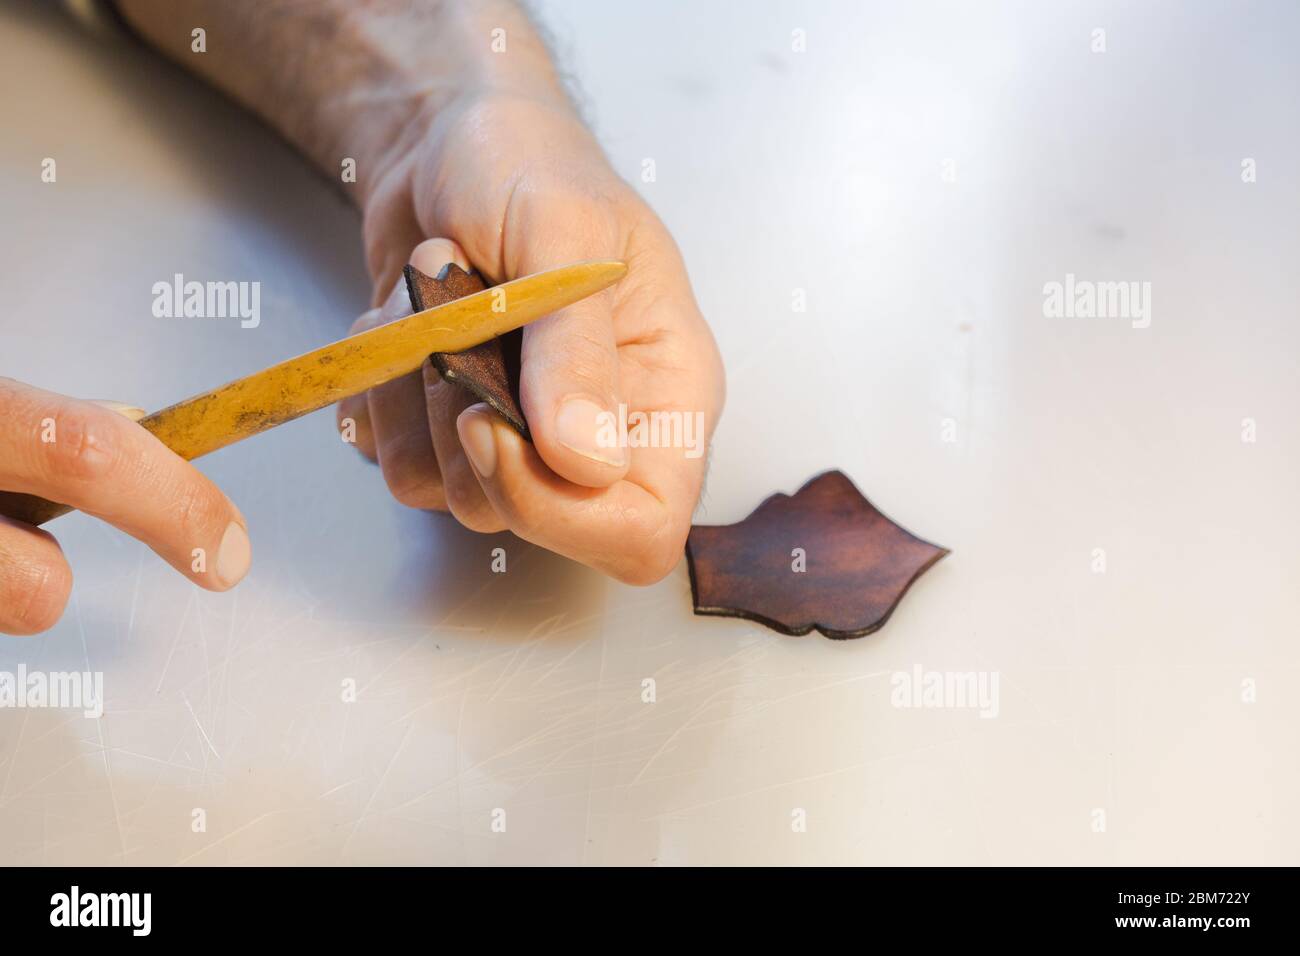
[583,365]
[409,483]
[414,490]
[589,359]
[195,505]
[84,444]
[590,201]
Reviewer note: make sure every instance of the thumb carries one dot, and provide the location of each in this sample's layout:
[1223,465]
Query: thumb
[569,391]
[569,380]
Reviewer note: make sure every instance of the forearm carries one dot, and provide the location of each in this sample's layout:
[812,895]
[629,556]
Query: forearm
[347,79]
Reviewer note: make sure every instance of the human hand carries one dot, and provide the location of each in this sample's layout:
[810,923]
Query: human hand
[100,462]
[513,185]
[454,122]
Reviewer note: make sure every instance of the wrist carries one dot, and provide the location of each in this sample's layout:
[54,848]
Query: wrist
[472,52]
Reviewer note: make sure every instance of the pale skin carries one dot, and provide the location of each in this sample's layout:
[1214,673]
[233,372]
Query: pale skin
[462,155]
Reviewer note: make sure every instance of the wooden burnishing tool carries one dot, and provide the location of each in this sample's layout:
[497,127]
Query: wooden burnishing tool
[300,385]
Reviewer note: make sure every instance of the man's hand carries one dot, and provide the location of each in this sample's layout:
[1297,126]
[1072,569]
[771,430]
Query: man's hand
[474,155]
[511,209]
[84,455]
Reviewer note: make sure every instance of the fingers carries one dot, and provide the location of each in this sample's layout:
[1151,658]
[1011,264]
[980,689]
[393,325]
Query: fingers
[569,386]
[396,411]
[353,415]
[400,430]
[465,497]
[623,530]
[569,392]
[35,580]
[389,231]
[99,462]
[434,413]
[406,458]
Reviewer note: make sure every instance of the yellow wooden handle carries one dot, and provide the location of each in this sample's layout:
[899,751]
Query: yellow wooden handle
[308,382]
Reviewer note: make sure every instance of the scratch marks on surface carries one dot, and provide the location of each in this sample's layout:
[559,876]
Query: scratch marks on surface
[203,733]
[99,730]
[379,786]
[180,628]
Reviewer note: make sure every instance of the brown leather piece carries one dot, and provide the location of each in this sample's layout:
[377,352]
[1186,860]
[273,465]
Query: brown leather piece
[858,562]
[491,370]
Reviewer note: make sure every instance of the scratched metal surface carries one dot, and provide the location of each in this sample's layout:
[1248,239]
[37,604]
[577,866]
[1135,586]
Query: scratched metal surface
[923,366]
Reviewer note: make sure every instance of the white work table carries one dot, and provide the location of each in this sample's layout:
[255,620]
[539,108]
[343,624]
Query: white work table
[917,174]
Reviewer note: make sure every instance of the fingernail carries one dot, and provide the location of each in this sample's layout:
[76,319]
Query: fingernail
[583,426]
[122,408]
[234,555]
[477,439]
